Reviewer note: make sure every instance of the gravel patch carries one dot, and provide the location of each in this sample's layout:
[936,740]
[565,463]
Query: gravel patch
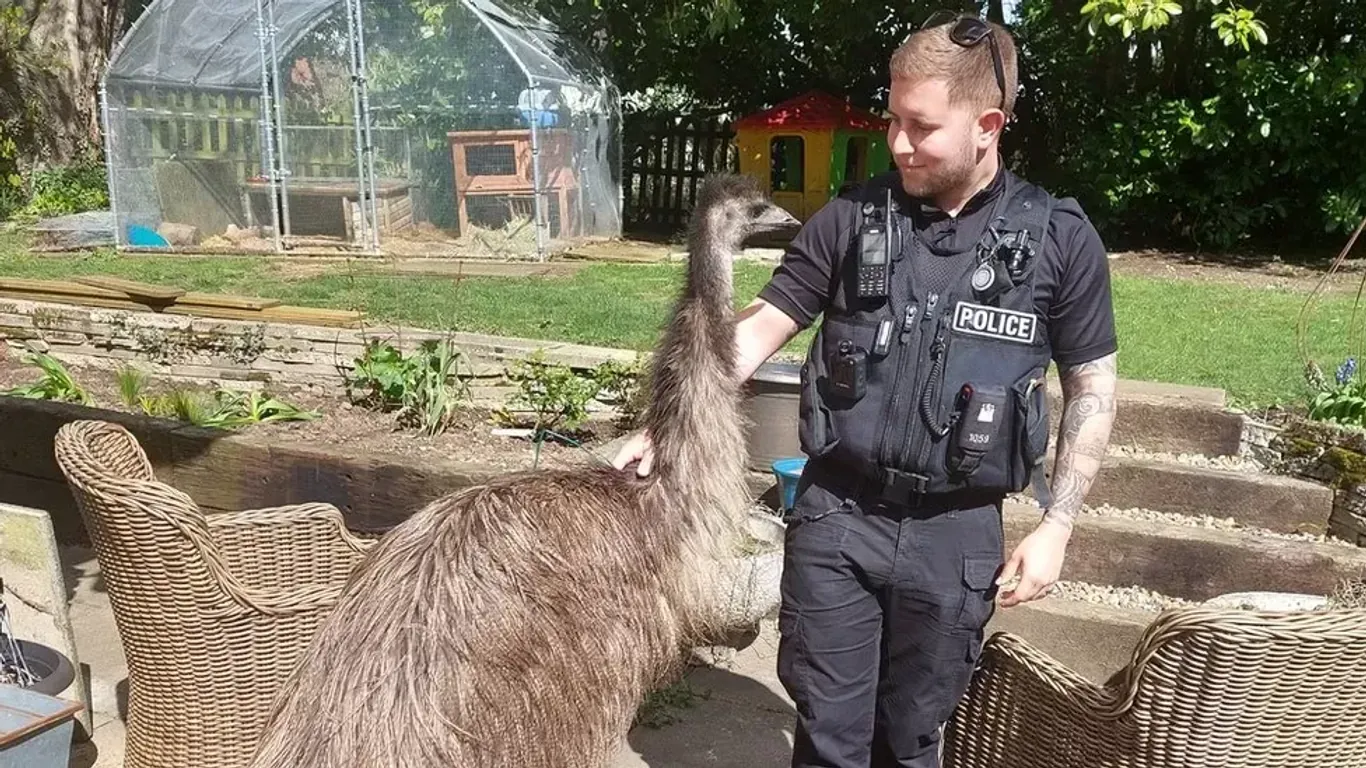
[1234,463]
[1196,521]
[1209,521]
[1130,598]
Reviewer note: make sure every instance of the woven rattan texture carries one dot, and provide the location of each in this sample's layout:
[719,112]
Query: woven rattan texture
[212,613]
[1205,688]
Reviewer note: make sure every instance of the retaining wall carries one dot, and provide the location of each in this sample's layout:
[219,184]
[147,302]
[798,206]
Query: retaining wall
[221,471]
[251,353]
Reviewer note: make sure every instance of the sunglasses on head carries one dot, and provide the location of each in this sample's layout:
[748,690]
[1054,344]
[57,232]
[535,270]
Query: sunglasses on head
[968,31]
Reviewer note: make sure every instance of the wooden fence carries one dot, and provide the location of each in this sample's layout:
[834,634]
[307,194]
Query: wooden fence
[157,124]
[665,160]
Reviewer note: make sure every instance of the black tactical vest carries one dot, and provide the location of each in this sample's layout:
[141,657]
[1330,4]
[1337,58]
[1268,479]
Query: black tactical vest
[926,393]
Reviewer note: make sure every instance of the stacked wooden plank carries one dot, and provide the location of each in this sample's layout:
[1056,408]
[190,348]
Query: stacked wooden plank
[117,293]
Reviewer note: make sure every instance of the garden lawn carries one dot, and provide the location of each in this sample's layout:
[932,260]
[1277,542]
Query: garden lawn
[1239,338]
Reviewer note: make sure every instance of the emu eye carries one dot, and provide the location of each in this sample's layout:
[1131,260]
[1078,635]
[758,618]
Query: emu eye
[756,210]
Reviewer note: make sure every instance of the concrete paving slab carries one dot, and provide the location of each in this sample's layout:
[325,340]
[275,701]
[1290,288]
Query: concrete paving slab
[35,597]
[97,635]
[742,718]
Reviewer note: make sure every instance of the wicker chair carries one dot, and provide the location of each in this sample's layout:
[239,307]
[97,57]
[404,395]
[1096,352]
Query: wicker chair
[1206,688]
[212,611]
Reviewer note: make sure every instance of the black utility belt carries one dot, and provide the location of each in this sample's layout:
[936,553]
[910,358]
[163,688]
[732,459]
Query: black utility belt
[903,489]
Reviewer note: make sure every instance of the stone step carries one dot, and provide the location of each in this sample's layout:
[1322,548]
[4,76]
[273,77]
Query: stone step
[1092,639]
[1155,417]
[1274,502]
[1157,390]
[1189,561]
[1167,424]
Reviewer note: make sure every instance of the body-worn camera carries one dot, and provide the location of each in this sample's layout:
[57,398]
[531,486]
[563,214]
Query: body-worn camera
[849,371]
[980,413]
[1003,268]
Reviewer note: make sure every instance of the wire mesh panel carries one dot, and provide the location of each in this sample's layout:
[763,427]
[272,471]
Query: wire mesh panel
[323,187]
[447,128]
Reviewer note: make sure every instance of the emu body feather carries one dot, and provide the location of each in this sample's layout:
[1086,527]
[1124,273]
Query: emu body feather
[520,623]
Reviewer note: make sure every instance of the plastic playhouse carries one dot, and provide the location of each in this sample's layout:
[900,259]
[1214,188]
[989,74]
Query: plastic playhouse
[804,149]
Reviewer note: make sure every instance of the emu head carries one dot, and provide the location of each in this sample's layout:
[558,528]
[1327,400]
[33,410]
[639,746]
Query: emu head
[733,209]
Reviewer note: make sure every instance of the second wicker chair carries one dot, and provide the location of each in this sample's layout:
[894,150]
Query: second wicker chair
[1205,688]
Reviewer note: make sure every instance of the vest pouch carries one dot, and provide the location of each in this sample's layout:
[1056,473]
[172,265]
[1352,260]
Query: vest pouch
[981,413]
[814,426]
[843,390]
[992,366]
[1030,395]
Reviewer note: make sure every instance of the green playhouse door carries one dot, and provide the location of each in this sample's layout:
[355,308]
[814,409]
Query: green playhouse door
[857,155]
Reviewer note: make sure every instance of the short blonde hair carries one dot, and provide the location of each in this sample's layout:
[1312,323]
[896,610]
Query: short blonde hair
[969,72]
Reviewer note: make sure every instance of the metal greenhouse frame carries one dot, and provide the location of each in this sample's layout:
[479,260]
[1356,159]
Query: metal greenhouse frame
[411,127]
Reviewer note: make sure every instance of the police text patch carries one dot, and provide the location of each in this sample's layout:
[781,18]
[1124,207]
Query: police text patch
[994,322]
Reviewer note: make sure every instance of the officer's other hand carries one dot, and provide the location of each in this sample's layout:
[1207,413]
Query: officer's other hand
[1037,561]
[637,448]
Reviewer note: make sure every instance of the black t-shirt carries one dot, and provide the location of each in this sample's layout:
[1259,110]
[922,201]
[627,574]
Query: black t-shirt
[1072,287]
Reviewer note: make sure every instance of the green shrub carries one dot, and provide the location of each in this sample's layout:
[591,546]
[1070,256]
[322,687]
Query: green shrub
[556,395]
[75,188]
[425,388]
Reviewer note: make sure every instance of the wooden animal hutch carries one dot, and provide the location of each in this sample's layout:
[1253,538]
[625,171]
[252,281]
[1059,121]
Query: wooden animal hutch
[495,180]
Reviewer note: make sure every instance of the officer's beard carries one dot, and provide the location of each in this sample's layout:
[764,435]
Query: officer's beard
[946,181]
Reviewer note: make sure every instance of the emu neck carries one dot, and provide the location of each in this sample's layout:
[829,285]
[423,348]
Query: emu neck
[711,255]
[694,405]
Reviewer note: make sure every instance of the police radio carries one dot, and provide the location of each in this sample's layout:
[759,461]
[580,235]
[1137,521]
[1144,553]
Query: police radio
[874,255]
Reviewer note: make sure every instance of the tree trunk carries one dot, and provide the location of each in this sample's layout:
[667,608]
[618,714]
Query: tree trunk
[75,37]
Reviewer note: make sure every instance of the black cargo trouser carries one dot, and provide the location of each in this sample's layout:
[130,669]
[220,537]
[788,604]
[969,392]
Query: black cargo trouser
[882,618]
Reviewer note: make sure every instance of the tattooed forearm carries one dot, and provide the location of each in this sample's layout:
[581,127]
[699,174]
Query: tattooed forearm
[1088,393]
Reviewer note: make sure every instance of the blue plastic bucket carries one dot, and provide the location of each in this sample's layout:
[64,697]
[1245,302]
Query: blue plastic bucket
[788,471]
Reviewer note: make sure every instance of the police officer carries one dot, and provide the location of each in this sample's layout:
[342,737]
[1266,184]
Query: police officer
[947,286]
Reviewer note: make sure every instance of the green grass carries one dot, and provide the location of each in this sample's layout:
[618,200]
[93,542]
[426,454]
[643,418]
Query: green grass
[1237,338]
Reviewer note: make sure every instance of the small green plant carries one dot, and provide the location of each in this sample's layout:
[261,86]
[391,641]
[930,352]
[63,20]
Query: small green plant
[56,382]
[131,383]
[1343,401]
[624,385]
[236,409]
[224,408]
[555,394]
[661,706]
[425,388]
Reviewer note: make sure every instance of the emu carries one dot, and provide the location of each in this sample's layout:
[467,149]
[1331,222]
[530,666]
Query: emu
[520,623]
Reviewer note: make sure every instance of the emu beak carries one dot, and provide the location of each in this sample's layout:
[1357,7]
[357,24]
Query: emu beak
[776,220]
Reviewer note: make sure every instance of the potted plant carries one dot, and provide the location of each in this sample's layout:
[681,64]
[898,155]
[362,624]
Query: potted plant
[748,584]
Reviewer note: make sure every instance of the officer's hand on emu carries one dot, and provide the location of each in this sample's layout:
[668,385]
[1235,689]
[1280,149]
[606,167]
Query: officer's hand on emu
[637,448]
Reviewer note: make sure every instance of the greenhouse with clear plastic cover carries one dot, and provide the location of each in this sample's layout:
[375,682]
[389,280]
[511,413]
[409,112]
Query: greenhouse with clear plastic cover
[401,127]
